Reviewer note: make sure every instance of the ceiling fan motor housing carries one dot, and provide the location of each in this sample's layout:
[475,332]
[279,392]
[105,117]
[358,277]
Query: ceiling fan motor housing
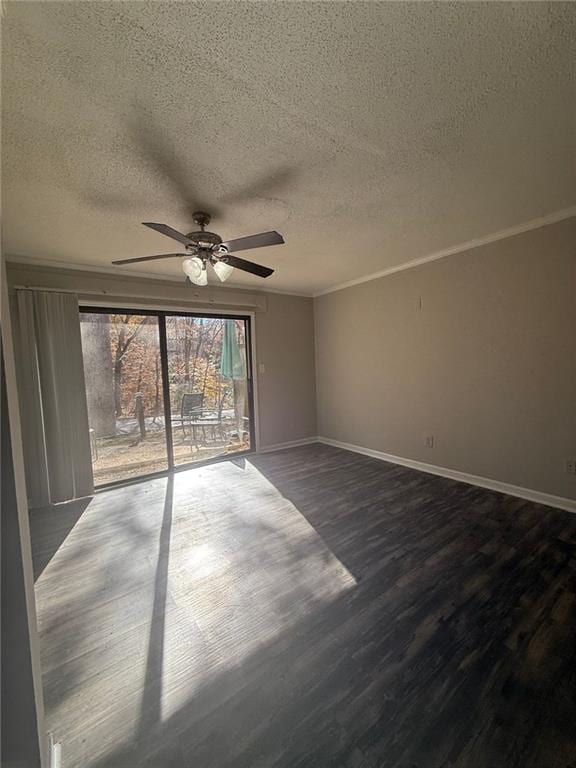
[203,242]
[206,240]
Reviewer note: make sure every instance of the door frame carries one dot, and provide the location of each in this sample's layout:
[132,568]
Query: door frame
[249,319]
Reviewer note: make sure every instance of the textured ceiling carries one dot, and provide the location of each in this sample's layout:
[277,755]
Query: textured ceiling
[369,134]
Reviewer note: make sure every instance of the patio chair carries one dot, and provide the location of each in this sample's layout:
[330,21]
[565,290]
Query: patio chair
[191,409]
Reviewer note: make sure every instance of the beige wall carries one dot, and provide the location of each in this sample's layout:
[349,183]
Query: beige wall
[487,365]
[287,389]
[284,335]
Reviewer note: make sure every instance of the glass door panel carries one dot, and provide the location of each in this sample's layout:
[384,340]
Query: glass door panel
[123,373]
[208,383]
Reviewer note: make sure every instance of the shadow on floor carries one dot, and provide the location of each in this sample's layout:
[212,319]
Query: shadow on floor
[49,528]
[151,712]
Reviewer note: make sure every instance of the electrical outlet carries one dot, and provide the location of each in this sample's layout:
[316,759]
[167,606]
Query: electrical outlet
[571,466]
[261,368]
[429,441]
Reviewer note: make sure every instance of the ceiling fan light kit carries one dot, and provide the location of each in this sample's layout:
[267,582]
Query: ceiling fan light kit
[223,270]
[195,269]
[205,248]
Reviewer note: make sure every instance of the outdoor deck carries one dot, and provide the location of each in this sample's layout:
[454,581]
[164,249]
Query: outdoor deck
[126,455]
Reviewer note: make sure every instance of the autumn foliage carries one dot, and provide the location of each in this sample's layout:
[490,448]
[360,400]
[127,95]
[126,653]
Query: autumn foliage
[122,360]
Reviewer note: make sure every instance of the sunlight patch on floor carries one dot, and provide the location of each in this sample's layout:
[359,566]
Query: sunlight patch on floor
[94,602]
[245,571]
[154,591]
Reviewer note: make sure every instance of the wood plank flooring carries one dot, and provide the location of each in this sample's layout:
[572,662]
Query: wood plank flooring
[311,607]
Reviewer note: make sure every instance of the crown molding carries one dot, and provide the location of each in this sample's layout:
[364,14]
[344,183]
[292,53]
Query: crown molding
[552,218]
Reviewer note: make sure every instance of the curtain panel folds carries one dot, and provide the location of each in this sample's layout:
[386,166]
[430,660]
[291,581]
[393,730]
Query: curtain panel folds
[53,407]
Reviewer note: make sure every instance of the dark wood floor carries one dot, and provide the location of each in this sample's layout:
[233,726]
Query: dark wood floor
[311,607]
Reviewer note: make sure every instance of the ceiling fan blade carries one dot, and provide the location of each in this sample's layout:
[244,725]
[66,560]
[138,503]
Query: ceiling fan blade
[152,258]
[164,229]
[247,266]
[254,241]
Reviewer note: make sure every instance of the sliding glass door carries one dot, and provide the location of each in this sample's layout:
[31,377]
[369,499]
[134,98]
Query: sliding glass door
[208,376]
[165,390]
[124,391]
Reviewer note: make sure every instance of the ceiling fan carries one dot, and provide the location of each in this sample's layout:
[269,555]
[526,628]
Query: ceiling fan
[205,248]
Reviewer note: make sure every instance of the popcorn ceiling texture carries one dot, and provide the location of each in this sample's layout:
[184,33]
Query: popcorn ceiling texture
[370,134]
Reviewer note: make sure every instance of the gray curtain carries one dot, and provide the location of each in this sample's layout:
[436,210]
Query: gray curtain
[52,398]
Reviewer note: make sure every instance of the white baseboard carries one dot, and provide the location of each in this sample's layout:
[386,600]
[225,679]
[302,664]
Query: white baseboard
[54,753]
[291,444]
[463,477]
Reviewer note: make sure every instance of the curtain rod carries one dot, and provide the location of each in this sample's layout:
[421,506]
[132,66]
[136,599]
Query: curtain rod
[136,301]
[38,288]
